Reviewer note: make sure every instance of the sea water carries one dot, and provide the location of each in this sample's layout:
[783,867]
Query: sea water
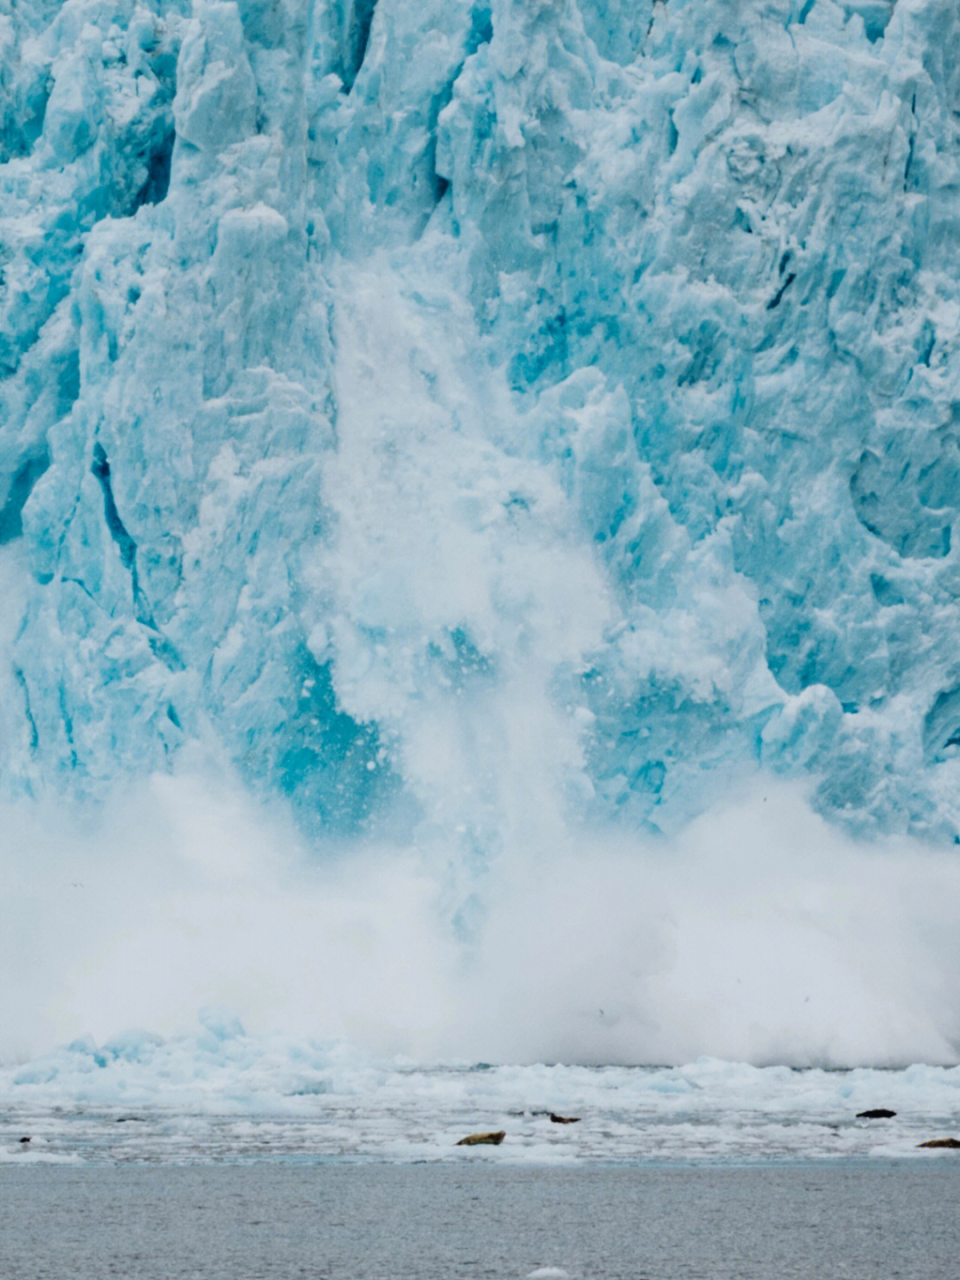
[800,1220]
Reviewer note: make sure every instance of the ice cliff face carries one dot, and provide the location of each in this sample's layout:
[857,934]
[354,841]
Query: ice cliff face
[464,414]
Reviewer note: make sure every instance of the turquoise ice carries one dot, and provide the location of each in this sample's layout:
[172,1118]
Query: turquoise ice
[450,414]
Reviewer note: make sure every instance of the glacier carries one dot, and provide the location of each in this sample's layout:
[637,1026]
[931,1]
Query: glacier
[471,425]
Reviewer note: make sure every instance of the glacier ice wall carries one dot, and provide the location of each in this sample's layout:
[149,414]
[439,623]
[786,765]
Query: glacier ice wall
[471,415]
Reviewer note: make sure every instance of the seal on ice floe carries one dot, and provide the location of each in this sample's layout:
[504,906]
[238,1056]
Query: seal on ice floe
[483,1139]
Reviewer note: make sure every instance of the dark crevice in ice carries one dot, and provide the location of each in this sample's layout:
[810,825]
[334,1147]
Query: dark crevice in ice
[82,586]
[67,724]
[481,30]
[941,725]
[778,296]
[159,162]
[29,471]
[118,532]
[480,33]
[21,680]
[876,15]
[911,144]
[927,342]
[160,646]
[68,383]
[358,19]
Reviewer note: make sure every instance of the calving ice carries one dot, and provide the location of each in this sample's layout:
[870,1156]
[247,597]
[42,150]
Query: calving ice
[478,502]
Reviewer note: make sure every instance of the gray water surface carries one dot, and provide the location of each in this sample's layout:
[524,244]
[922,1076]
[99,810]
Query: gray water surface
[899,1220]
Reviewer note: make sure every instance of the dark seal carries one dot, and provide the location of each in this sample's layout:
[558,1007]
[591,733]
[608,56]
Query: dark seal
[483,1139]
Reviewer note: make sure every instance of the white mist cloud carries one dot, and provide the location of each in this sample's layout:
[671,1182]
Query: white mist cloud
[760,934]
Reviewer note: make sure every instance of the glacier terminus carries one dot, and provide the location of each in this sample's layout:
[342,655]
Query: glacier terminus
[470,423]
